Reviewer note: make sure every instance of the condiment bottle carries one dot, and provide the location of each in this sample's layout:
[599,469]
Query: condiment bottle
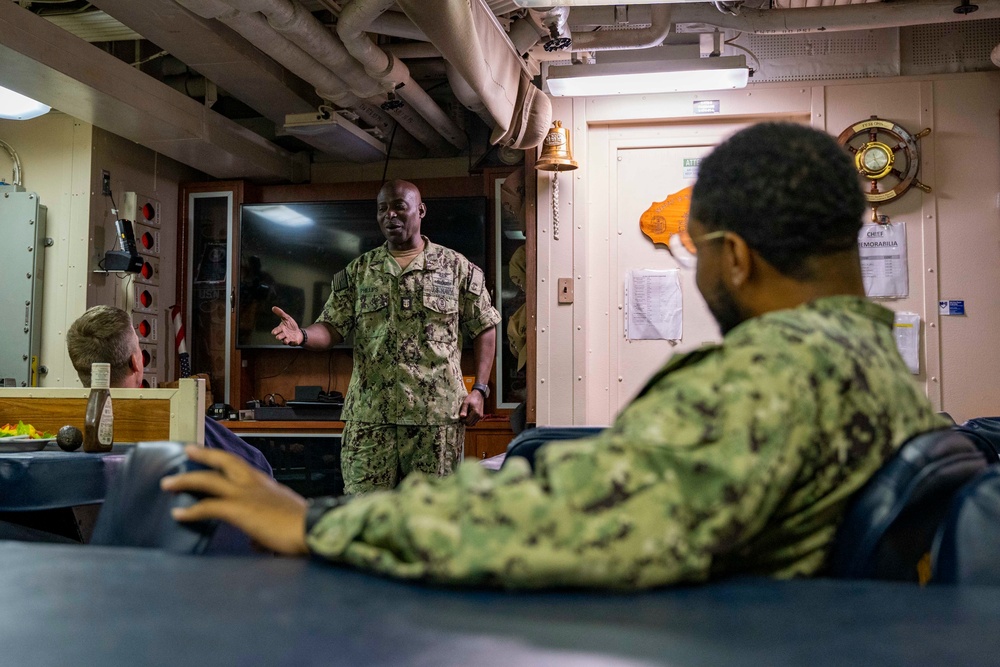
[98,426]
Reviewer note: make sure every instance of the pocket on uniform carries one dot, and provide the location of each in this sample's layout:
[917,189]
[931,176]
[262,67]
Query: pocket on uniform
[372,309]
[442,317]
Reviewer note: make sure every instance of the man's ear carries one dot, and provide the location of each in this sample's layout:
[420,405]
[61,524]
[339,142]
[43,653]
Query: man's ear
[135,361]
[738,260]
[422,209]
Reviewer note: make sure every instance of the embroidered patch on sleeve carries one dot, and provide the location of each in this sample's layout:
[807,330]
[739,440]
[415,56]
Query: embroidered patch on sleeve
[476,279]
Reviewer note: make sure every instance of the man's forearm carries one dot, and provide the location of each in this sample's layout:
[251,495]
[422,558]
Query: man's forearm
[484,347]
[320,336]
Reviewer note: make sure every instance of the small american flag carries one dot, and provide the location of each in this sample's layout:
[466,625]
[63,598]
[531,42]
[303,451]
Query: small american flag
[182,353]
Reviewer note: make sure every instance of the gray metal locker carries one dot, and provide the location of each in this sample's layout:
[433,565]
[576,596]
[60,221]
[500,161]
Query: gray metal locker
[22,224]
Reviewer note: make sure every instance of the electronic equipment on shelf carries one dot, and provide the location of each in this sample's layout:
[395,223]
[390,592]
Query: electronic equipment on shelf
[289,412]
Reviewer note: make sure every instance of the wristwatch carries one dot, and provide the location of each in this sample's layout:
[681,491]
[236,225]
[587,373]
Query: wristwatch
[482,389]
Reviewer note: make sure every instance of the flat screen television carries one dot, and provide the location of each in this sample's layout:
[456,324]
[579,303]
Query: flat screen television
[289,253]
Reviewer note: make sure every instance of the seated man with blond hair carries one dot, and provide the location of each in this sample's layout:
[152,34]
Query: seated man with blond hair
[104,334]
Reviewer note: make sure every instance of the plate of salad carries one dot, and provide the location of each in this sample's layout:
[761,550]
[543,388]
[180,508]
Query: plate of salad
[23,438]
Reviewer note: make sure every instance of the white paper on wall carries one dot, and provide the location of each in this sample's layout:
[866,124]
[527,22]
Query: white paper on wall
[906,330]
[883,260]
[653,305]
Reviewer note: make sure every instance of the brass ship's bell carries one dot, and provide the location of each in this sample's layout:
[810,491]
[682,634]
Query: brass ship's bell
[556,152]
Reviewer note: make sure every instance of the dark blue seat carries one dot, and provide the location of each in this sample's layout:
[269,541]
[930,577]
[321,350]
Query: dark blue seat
[985,432]
[967,545]
[136,511]
[527,442]
[889,527]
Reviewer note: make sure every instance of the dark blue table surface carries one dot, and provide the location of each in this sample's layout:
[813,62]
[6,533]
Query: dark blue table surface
[102,606]
[52,478]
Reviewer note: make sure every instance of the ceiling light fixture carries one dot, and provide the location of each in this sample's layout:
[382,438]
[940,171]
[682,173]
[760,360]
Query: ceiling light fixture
[648,76]
[15,106]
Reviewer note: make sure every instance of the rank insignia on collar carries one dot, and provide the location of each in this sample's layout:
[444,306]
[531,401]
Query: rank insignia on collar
[406,302]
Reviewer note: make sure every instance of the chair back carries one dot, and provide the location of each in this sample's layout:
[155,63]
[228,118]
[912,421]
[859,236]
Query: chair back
[136,511]
[985,432]
[527,442]
[967,545]
[888,529]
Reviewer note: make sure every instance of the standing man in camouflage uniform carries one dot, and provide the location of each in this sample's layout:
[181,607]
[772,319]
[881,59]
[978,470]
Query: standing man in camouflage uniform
[409,303]
[735,458]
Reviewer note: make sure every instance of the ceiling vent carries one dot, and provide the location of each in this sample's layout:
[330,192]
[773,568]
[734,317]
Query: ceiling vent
[335,136]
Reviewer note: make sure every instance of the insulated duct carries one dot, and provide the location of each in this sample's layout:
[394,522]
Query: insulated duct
[354,21]
[300,27]
[641,38]
[469,37]
[256,29]
[466,95]
[825,19]
[555,22]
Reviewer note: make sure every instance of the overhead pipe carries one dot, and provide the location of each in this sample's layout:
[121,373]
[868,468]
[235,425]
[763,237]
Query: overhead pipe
[413,50]
[618,40]
[466,95]
[523,34]
[304,30]
[300,27]
[395,24]
[555,22]
[256,29]
[463,91]
[471,38]
[829,19]
[355,20]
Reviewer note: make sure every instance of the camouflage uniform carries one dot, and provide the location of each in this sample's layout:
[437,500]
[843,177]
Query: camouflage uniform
[734,458]
[408,328]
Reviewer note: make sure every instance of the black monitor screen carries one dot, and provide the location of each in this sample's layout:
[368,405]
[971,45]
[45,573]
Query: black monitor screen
[289,253]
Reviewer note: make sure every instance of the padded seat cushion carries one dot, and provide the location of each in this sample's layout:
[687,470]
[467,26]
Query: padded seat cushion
[967,546]
[526,444]
[890,524]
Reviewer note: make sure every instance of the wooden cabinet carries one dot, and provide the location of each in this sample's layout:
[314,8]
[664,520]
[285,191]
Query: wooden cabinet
[487,438]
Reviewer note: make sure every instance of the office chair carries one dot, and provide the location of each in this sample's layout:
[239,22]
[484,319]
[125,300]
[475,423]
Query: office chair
[136,511]
[889,526]
[527,442]
[985,432]
[967,545]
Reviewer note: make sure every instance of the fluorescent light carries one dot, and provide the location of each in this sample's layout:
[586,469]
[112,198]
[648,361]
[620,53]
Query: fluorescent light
[15,106]
[648,76]
[279,214]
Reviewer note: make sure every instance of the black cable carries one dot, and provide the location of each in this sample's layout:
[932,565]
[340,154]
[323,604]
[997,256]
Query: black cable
[392,138]
[287,366]
[329,372]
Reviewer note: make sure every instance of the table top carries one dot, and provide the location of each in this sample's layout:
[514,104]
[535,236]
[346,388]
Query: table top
[85,605]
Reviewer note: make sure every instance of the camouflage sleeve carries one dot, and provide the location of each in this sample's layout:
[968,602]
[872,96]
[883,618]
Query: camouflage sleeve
[339,309]
[477,311]
[690,470]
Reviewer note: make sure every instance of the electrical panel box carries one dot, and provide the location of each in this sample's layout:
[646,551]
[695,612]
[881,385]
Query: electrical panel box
[22,219]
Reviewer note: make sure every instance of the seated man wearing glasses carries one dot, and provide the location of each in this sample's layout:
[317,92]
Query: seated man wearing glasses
[735,458]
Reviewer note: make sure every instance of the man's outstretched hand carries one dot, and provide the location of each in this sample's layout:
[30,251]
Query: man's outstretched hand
[287,331]
[270,513]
